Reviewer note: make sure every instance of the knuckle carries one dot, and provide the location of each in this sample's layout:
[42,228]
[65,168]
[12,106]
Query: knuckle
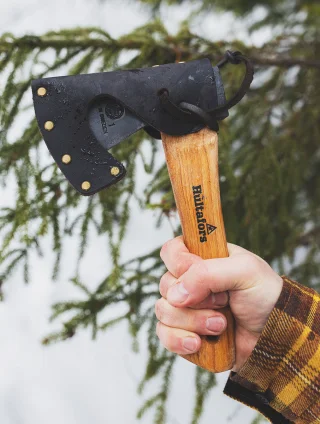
[251,263]
[163,251]
[163,283]
[165,248]
[163,312]
[181,266]
[158,329]
[194,321]
[199,272]
[171,342]
[202,321]
[158,309]
[197,321]
[167,339]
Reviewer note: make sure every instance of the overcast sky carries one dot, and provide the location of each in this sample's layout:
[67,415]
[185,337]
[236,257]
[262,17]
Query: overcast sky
[81,381]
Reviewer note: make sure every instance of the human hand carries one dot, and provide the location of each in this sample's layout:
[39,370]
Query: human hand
[194,289]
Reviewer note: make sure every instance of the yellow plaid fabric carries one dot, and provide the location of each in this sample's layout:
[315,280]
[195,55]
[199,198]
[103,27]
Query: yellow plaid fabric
[281,378]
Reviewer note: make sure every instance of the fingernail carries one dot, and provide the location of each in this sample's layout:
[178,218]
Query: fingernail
[190,343]
[215,324]
[178,293]
[221,299]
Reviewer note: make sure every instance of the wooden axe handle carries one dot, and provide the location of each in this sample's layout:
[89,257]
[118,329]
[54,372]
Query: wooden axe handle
[193,168]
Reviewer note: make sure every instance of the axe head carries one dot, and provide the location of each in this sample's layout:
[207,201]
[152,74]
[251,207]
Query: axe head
[81,117]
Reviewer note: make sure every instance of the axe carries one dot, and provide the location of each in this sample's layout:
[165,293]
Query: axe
[81,117]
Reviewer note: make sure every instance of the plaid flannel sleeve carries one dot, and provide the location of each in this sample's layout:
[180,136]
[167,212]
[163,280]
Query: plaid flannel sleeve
[281,378]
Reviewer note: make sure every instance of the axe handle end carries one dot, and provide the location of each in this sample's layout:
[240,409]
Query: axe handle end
[193,168]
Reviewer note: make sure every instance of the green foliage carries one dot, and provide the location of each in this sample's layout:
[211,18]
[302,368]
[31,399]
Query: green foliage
[276,8]
[235,6]
[269,167]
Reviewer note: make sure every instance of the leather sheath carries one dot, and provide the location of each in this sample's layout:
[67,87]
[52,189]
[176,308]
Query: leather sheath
[94,112]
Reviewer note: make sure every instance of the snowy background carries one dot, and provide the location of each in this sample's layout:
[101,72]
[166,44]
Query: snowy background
[83,381]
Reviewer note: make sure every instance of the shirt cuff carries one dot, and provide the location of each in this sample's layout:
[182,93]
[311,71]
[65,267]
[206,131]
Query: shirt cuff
[281,377]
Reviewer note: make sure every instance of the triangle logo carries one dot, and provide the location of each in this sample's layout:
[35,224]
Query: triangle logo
[210,228]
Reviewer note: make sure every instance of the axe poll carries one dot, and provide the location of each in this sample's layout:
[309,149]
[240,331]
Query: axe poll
[81,117]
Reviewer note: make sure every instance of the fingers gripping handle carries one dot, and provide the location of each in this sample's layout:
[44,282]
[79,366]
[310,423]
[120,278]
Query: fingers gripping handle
[193,168]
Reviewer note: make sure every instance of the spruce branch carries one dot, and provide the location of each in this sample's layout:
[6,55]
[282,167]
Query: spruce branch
[285,62]
[310,236]
[269,168]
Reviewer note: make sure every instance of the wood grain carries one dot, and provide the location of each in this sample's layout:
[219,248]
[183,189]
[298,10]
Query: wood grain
[193,168]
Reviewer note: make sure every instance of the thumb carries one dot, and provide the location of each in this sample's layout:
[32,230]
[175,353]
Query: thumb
[212,276]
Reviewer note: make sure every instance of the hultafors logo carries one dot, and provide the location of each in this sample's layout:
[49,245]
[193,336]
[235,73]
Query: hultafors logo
[204,228]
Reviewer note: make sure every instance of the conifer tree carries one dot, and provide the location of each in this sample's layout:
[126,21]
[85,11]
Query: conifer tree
[269,154]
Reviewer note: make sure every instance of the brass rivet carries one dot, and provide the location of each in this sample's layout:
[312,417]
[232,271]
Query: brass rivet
[66,159]
[85,185]
[49,125]
[42,91]
[115,171]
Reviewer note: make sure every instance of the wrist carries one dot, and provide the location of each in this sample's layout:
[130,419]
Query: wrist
[249,341]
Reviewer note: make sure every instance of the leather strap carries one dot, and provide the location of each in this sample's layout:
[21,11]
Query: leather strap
[195,113]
